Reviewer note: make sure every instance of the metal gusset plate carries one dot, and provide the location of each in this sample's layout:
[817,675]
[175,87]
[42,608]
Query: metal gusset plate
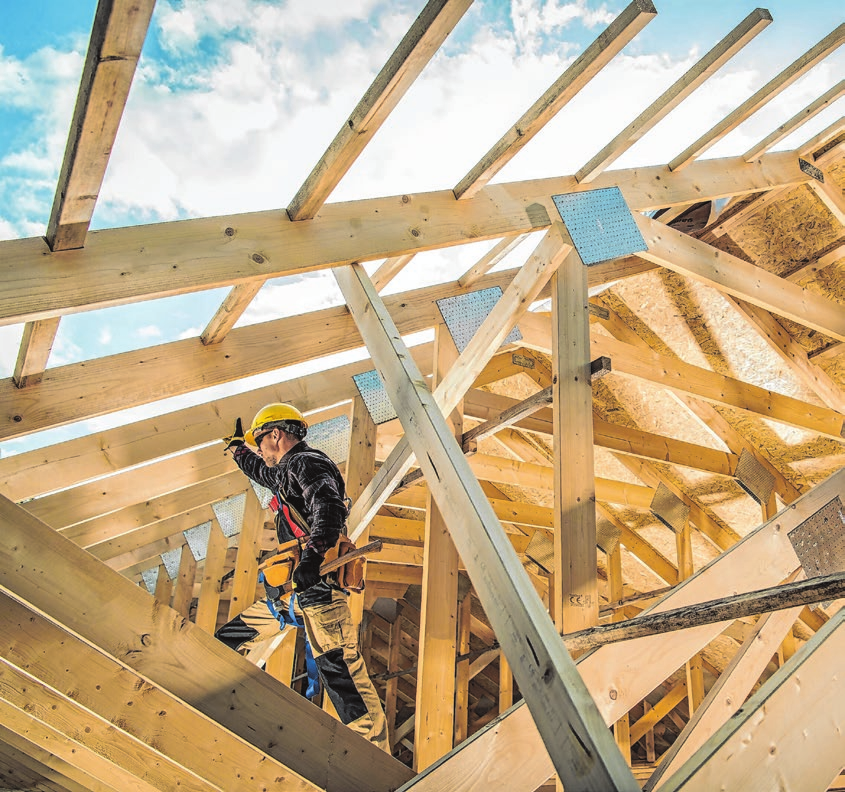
[331,437]
[669,508]
[753,477]
[375,396]
[171,560]
[262,493]
[541,550]
[819,541]
[811,170]
[150,578]
[230,514]
[600,223]
[197,539]
[607,536]
[465,313]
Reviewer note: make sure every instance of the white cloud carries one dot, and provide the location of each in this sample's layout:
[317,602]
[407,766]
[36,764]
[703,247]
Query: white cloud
[105,336]
[148,331]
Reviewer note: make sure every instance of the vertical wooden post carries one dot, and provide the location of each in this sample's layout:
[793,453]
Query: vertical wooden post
[435,724]
[694,667]
[360,467]
[246,566]
[505,684]
[622,727]
[462,671]
[164,586]
[184,591]
[212,576]
[280,663]
[392,685]
[576,580]
[650,755]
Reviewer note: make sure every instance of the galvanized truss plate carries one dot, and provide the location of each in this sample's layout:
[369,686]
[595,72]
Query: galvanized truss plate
[465,313]
[375,396]
[811,170]
[607,536]
[197,539]
[150,578]
[331,437]
[819,541]
[753,477]
[262,493]
[600,223]
[541,550]
[171,560]
[230,514]
[669,508]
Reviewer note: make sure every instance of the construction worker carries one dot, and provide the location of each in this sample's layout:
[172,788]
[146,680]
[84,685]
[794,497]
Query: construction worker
[313,509]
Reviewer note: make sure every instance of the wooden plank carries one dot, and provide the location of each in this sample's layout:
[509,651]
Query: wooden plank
[616,591]
[416,49]
[489,260]
[801,117]
[212,579]
[462,672]
[184,590]
[729,274]
[802,704]
[181,658]
[761,97]
[230,310]
[730,691]
[434,731]
[33,473]
[36,345]
[246,567]
[546,675]
[389,269]
[576,601]
[590,62]
[620,675]
[828,255]
[659,711]
[57,660]
[705,68]
[164,587]
[514,302]
[831,196]
[191,255]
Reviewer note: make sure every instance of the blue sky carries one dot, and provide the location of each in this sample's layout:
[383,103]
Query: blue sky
[235,100]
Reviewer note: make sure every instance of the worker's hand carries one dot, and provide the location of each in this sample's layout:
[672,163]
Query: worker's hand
[236,438]
[307,572]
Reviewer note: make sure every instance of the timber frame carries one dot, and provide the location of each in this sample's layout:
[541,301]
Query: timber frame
[529,494]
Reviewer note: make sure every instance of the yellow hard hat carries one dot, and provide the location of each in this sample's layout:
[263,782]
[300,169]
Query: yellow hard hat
[272,414]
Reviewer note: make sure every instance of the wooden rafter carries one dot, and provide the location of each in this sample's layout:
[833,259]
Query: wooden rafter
[761,97]
[418,46]
[696,76]
[619,33]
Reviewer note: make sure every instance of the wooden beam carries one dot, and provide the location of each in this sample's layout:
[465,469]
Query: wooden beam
[434,731]
[753,603]
[525,287]
[730,691]
[489,260]
[116,615]
[232,308]
[575,593]
[191,255]
[696,76]
[389,269]
[34,473]
[619,675]
[36,345]
[828,255]
[687,256]
[620,32]
[801,117]
[55,660]
[184,590]
[831,196]
[416,49]
[212,578]
[659,711]
[546,675]
[761,97]
[246,568]
[804,700]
